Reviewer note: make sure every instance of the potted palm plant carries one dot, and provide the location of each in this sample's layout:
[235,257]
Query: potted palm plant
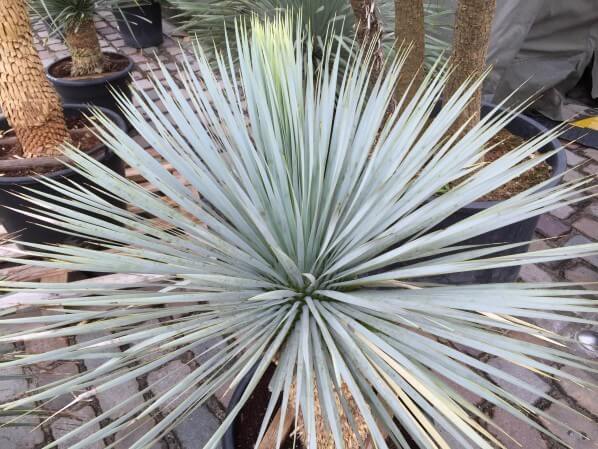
[139,22]
[34,128]
[472,26]
[298,266]
[88,75]
[473,23]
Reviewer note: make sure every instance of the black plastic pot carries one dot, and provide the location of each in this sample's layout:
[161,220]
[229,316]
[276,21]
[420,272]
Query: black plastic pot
[522,231]
[140,26]
[28,229]
[96,90]
[228,439]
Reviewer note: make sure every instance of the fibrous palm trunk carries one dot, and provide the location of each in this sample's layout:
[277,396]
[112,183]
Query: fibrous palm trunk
[473,25]
[84,46]
[409,30]
[31,105]
[369,31]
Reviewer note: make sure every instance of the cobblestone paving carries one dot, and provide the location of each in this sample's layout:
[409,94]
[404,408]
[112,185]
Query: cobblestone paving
[568,225]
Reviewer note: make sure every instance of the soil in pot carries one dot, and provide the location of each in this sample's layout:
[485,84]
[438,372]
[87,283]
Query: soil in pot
[113,64]
[10,150]
[519,129]
[94,90]
[503,143]
[245,428]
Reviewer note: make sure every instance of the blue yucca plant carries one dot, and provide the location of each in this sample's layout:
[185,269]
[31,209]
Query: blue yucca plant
[305,247]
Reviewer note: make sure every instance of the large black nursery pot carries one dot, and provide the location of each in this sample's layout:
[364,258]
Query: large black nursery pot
[29,229]
[140,25]
[94,90]
[522,231]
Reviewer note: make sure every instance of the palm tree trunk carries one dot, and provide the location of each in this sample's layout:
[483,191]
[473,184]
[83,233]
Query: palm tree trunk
[473,24]
[369,32]
[409,30]
[31,105]
[84,46]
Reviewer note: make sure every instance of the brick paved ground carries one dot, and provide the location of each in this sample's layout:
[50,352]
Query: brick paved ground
[569,225]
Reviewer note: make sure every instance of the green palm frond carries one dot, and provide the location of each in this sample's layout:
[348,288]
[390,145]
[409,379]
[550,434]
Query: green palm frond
[211,21]
[313,223]
[63,14]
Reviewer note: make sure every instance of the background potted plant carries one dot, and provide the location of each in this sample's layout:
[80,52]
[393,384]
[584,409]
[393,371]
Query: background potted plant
[472,27]
[139,22]
[88,75]
[34,128]
[312,194]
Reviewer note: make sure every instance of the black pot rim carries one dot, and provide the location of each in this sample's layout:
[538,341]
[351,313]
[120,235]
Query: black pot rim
[558,161]
[24,180]
[96,80]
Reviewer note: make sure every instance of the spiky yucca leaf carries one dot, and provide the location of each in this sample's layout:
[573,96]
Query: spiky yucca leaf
[312,226]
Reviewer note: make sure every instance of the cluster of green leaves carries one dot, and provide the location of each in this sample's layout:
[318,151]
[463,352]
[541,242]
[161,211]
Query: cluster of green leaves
[315,219]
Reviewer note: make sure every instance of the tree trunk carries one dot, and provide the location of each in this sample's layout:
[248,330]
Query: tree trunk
[369,32]
[473,24]
[31,105]
[84,46]
[409,29]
